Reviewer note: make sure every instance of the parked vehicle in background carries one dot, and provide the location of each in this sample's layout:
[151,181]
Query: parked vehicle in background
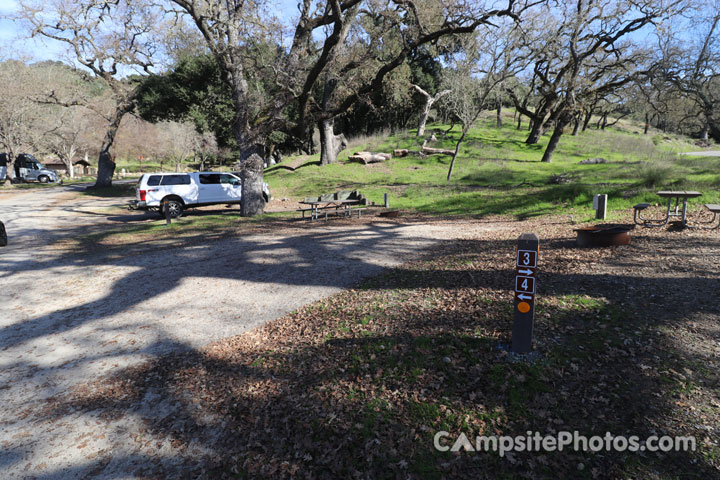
[27,169]
[186,190]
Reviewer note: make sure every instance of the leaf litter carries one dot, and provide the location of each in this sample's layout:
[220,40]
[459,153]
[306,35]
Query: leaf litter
[357,385]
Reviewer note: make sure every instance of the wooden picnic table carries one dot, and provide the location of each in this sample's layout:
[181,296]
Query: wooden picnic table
[317,205]
[677,195]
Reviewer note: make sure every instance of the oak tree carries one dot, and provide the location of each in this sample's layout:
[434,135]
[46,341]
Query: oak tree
[109,39]
[333,59]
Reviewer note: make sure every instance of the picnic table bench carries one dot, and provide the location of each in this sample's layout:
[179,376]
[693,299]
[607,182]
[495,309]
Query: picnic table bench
[677,195]
[715,210]
[343,203]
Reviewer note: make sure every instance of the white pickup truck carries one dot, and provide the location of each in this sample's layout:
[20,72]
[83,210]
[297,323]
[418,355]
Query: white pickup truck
[185,190]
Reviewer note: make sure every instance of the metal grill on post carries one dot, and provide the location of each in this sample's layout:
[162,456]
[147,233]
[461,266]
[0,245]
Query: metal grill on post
[600,206]
[525,287]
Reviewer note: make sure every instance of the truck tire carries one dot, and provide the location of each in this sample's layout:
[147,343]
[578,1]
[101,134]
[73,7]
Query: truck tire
[3,236]
[43,179]
[175,206]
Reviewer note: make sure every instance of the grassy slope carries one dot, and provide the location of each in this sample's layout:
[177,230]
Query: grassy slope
[497,173]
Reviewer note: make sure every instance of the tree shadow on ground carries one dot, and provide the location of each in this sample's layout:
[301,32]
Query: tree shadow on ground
[290,260]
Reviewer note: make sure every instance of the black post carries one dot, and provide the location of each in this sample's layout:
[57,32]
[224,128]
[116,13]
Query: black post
[525,288]
[167,212]
[3,235]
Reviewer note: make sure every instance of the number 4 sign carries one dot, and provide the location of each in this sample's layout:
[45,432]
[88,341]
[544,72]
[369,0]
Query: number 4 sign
[525,284]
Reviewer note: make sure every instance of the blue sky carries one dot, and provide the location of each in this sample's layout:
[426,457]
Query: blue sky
[13,41]
[14,44]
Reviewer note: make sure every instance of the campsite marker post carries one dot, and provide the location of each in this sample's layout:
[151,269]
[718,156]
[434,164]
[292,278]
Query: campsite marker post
[526,261]
[167,212]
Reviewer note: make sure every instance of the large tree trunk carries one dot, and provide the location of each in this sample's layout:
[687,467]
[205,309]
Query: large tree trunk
[536,132]
[106,164]
[106,170]
[10,169]
[330,144]
[560,125]
[249,144]
[253,202]
[576,125]
[544,116]
[539,126]
[712,125]
[498,114]
[714,130]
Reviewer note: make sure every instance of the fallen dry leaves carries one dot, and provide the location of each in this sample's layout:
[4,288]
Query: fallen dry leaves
[357,385]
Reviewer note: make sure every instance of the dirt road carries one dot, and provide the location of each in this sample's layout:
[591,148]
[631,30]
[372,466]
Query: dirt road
[708,153]
[69,317]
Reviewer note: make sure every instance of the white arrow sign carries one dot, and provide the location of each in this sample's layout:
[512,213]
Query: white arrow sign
[522,296]
[525,272]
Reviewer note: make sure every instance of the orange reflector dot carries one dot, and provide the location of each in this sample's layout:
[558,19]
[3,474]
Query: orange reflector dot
[523,307]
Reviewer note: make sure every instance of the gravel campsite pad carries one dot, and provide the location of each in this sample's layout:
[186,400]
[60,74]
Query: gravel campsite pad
[107,370]
[76,311]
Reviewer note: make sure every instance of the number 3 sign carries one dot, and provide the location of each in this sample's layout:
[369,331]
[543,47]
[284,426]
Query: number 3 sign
[526,258]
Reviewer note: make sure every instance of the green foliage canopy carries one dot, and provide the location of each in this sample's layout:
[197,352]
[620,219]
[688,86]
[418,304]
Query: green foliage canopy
[193,91]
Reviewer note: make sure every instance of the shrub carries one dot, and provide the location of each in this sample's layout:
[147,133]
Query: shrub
[653,175]
[574,194]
